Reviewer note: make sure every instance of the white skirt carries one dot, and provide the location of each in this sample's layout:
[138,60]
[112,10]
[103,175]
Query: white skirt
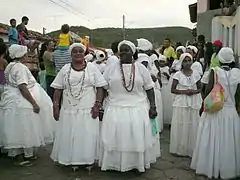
[20,127]
[167,102]
[217,149]
[184,131]
[77,138]
[159,104]
[127,140]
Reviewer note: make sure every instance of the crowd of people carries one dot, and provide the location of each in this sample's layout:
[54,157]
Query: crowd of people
[109,106]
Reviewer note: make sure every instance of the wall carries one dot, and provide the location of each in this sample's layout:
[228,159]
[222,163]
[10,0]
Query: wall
[202,6]
[204,24]
[4,37]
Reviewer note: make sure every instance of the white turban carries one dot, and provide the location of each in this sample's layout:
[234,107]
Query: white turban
[88,57]
[193,48]
[181,48]
[226,55]
[17,51]
[100,55]
[74,45]
[162,58]
[184,55]
[144,44]
[129,43]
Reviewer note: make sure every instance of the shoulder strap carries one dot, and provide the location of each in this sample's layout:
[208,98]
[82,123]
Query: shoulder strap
[228,84]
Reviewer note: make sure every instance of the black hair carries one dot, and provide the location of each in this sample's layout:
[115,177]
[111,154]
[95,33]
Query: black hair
[25,18]
[201,38]
[3,48]
[42,50]
[12,21]
[168,39]
[208,53]
[114,46]
[1,40]
[65,28]
[135,55]
[178,44]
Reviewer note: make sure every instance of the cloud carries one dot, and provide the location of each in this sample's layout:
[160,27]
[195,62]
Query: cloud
[95,13]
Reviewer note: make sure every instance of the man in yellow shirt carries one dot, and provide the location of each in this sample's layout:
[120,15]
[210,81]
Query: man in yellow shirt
[169,51]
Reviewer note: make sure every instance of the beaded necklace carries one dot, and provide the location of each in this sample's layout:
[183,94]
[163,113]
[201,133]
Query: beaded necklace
[131,79]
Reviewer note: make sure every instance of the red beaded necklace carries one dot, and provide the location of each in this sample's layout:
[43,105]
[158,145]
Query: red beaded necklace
[131,79]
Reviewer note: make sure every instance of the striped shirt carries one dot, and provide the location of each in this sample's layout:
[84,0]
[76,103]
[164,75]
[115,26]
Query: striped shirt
[60,58]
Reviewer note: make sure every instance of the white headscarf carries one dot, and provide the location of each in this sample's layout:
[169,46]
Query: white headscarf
[129,43]
[100,55]
[184,55]
[226,55]
[162,58]
[17,51]
[181,48]
[144,44]
[193,48]
[74,45]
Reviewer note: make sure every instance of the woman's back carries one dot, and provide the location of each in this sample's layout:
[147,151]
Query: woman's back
[229,81]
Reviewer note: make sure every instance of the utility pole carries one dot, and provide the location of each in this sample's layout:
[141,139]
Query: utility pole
[123,29]
[44,31]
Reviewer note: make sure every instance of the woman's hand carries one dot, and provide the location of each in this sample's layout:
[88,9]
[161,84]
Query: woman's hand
[152,112]
[95,110]
[36,108]
[56,112]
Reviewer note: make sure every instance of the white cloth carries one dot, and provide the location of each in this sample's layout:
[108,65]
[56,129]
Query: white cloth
[112,59]
[17,51]
[152,60]
[74,45]
[88,57]
[77,134]
[205,78]
[193,48]
[162,58]
[127,141]
[144,44]
[217,151]
[185,83]
[20,127]
[177,65]
[100,55]
[164,78]
[226,55]
[129,43]
[181,48]
[142,57]
[196,66]
[109,52]
[101,67]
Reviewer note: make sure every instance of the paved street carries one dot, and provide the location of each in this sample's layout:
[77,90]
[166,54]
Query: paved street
[167,167]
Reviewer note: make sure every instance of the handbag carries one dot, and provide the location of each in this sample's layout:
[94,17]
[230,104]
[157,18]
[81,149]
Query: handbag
[215,100]
[154,125]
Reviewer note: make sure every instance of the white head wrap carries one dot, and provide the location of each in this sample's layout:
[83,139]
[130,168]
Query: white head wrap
[109,52]
[162,58]
[144,44]
[184,55]
[226,55]
[74,45]
[181,48]
[129,43]
[88,57]
[100,55]
[17,51]
[193,48]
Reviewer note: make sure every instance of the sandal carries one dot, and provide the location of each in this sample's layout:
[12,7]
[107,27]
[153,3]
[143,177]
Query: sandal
[23,164]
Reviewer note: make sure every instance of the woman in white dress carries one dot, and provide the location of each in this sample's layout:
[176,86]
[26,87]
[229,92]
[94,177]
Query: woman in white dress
[187,102]
[77,133]
[217,152]
[128,142]
[176,66]
[196,66]
[25,109]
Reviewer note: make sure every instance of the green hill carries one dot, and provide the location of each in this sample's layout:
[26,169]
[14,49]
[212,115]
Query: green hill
[103,37]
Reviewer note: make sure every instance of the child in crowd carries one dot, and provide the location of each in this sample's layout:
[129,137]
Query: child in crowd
[65,39]
[12,32]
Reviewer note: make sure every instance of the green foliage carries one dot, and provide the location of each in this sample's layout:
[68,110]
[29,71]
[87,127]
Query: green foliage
[103,37]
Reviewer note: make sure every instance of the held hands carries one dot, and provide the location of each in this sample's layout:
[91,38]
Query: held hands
[152,112]
[190,92]
[96,109]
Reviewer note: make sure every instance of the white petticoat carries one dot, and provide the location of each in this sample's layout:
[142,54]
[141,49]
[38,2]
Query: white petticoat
[167,99]
[127,141]
[184,131]
[20,127]
[77,138]
[217,149]
[159,105]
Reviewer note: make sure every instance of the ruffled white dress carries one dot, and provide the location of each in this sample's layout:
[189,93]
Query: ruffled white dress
[77,133]
[21,129]
[196,66]
[185,116]
[127,139]
[217,151]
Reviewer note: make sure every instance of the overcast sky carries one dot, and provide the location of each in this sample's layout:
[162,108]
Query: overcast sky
[97,13]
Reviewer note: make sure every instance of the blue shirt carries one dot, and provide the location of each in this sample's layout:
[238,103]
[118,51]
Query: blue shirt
[12,36]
